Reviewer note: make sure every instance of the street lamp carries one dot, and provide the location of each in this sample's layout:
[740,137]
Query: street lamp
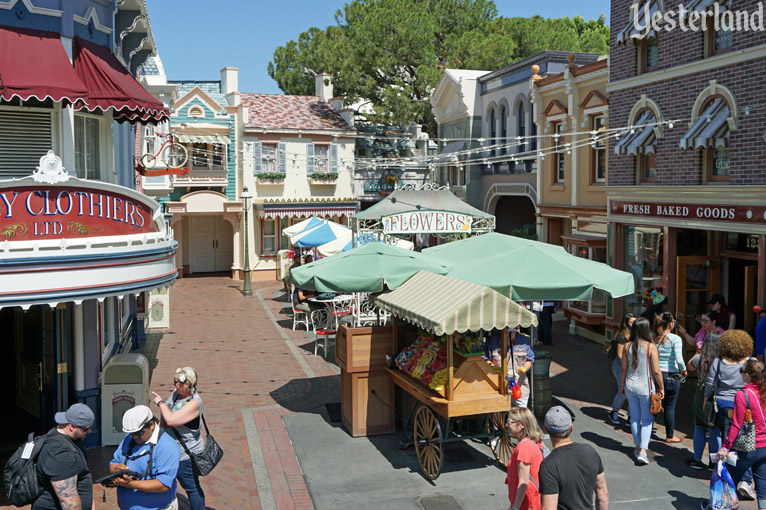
[246,289]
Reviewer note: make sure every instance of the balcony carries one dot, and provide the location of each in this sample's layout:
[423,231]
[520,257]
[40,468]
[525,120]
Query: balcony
[208,166]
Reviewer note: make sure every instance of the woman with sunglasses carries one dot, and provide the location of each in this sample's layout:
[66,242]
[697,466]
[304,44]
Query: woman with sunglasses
[524,467]
[673,368]
[708,323]
[616,350]
[182,413]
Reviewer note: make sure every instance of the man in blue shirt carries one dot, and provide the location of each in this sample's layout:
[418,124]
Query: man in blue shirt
[760,336]
[153,456]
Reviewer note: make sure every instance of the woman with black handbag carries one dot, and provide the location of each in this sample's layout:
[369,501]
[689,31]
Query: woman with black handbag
[182,414]
[747,434]
[703,421]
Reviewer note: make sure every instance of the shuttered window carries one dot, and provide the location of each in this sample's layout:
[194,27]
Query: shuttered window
[309,158]
[25,137]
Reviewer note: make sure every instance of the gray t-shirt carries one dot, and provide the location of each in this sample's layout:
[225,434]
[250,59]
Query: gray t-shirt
[637,379]
[729,380]
[190,432]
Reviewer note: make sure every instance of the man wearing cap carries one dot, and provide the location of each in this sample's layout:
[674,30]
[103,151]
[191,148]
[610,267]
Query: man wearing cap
[67,482]
[573,472]
[153,458]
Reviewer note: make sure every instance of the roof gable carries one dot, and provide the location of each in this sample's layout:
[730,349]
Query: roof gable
[594,99]
[555,108]
[199,94]
[273,111]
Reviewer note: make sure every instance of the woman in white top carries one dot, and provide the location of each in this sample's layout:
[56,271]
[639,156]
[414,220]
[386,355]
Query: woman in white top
[638,357]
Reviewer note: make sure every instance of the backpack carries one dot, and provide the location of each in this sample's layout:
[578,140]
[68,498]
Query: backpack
[545,451]
[22,483]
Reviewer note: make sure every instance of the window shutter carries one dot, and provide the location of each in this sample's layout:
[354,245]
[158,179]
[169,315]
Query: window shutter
[25,137]
[282,156]
[334,157]
[309,158]
[257,157]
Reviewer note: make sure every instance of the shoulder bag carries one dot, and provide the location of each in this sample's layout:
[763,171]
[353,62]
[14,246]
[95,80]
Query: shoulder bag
[709,405]
[655,401]
[203,463]
[745,441]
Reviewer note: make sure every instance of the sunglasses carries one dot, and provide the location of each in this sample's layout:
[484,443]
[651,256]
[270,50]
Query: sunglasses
[84,429]
[705,320]
[143,429]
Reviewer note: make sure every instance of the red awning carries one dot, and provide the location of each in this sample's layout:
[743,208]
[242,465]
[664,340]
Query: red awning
[33,64]
[110,85]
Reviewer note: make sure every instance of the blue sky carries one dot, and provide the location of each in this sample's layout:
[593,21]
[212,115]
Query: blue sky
[197,38]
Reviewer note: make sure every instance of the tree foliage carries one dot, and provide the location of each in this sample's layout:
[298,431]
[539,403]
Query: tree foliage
[392,53]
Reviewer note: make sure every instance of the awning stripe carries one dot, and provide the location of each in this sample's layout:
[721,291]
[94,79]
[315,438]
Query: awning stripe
[213,139]
[711,129]
[638,29]
[642,140]
[320,212]
[447,155]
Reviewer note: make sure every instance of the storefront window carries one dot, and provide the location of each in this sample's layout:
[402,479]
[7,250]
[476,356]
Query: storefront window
[597,303]
[650,167]
[644,252]
[720,166]
[747,243]
[269,244]
[284,242]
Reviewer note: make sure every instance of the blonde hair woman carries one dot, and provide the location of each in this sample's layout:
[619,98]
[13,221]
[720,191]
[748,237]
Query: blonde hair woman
[524,466]
[182,412]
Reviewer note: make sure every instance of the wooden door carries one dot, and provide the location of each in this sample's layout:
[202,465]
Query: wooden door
[751,290]
[555,231]
[203,244]
[698,278]
[224,244]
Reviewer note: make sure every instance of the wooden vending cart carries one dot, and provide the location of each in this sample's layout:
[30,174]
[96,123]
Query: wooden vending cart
[473,390]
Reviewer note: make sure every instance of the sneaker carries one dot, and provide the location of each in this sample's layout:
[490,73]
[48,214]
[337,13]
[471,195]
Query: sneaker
[695,464]
[636,453]
[705,505]
[745,492]
[614,417]
[642,459]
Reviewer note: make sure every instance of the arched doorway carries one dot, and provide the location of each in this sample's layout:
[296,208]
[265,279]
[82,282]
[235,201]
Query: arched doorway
[514,213]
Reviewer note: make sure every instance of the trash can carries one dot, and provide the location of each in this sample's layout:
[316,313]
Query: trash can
[124,385]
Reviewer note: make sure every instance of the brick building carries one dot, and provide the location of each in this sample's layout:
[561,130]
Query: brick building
[686,190]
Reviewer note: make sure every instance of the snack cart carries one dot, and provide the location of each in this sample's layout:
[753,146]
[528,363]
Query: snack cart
[463,386]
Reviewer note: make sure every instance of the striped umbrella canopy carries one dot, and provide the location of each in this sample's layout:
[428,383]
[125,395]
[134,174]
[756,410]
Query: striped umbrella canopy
[445,305]
[344,243]
[323,234]
[312,222]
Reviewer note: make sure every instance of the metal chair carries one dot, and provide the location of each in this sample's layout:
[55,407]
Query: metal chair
[322,321]
[297,314]
[343,310]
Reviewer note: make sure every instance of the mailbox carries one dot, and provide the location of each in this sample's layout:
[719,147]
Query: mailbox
[124,385]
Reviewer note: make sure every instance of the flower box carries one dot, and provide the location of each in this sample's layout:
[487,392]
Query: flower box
[270,178]
[323,178]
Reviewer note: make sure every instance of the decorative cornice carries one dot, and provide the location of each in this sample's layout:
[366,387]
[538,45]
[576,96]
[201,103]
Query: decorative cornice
[91,14]
[8,5]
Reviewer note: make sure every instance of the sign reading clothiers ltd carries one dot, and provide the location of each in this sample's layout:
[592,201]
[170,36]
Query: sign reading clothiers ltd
[704,212]
[427,222]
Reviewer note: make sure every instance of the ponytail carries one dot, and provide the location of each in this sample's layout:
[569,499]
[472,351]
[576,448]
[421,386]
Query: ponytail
[754,369]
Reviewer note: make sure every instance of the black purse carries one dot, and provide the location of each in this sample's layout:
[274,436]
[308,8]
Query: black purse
[203,463]
[710,406]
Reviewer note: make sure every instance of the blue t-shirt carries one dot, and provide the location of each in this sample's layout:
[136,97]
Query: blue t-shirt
[760,337]
[164,468]
[522,344]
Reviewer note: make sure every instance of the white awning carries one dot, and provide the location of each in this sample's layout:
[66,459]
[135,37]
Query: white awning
[711,129]
[639,26]
[450,153]
[213,139]
[641,141]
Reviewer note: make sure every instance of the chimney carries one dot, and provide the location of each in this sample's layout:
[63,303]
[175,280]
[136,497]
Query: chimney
[323,86]
[230,84]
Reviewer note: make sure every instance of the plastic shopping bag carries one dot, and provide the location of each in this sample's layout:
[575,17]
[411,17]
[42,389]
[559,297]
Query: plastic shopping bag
[723,493]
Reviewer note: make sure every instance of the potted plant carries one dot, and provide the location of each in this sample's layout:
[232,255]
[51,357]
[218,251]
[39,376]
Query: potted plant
[542,365]
[323,177]
[270,178]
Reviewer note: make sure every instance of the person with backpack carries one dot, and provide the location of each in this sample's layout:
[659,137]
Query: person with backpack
[524,466]
[616,350]
[152,458]
[62,465]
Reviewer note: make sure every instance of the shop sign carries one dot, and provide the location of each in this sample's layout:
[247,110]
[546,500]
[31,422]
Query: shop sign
[427,222]
[702,212]
[56,212]
[385,186]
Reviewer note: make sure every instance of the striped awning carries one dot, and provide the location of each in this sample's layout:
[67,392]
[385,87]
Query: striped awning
[450,153]
[703,5]
[445,305]
[213,139]
[305,210]
[638,28]
[711,129]
[642,140]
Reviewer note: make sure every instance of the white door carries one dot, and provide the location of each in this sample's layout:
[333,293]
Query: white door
[212,244]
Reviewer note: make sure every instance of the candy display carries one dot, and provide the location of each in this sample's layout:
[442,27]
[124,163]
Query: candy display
[425,360]
[469,344]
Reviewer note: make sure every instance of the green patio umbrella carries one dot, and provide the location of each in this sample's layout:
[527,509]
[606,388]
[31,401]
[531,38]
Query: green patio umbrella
[527,270]
[368,268]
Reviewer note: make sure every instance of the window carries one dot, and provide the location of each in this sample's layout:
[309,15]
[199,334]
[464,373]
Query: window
[25,136]
[597,303]
[269,237]
[559,163]
[521,127]
[87,146]
[457,175]
[321,163]
[199,155]
[648,54]
[647,167]
[150,140]
[717,41]
[284,241]
[492,132]
[598,150]
[196,111]
[269,158]
[644,254]
[207,155]
[217,154]
[532,132]
[503,130]
[717,161]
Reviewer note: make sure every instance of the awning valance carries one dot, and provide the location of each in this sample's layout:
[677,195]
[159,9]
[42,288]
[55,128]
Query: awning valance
[703,5]
[642,140]
[638,29]
[448,154]
[110,86]
[213,139]
[445,305]
[306,210]
[34,65]
[711,128]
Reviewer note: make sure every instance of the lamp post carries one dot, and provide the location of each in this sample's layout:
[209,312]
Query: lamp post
[246,288]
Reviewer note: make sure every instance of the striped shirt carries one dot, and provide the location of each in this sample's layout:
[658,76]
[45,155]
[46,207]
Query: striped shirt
[671,354]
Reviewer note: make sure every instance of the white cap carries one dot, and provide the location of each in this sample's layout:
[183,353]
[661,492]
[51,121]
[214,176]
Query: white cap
[134,419]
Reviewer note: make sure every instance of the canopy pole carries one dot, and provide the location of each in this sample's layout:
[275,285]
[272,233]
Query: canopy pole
[504,362]
[450,369]
[395,331]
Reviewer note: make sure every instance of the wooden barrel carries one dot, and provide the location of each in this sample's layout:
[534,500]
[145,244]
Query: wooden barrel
[541,402]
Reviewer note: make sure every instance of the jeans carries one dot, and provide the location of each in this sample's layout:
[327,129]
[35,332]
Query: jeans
[755,461]
[619,398]
[724,406]
[641,419]
[672,387]
[701,437]
[190,482]
[546,323]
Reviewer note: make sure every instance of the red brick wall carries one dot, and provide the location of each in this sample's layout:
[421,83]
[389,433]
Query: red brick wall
[676,97]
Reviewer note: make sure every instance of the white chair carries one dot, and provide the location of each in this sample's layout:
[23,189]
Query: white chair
[299,316]
[343,309]
[322,321]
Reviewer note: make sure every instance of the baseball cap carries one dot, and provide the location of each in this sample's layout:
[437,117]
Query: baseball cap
[134,419]
[78,415]
[558,420]
[716,298]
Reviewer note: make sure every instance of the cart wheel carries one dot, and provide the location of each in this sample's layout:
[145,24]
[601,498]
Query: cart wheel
[499,440]
[428,443]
